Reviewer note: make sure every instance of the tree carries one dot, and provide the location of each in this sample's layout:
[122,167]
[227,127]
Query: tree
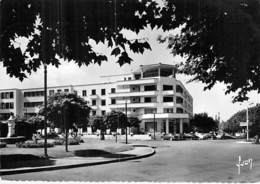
[97,122]
[78,110]
[203,123]
[220,40]
[37,121]
[232,125]
[115,120]
[64,28]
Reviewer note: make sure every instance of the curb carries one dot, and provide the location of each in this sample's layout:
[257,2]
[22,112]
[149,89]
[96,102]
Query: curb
[48,168]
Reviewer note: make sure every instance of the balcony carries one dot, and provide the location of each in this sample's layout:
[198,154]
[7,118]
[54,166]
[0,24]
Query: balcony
[133,94]
[133,105]
[170,92]
[136,82]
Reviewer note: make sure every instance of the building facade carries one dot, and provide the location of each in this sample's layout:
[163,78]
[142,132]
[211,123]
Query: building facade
[152,93]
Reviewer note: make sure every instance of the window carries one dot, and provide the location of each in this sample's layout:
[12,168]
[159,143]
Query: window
[179,100]
[179,110]
[93,102]
[113,101]
[147,99]
[93,92]
[103,91]
[168,110]
[103,102]
[59,90]
[66,90]
[51,92]
[150,111]
[179,89]
[8,105]
[150,88]
[7,95]
[103,113]
[33,93]
[167,99]
[84,93]
[113,90]
[167,87]
[32,104]
[94,113]
[129,78]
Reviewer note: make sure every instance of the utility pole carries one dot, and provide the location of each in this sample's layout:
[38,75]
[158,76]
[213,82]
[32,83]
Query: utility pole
[126,122]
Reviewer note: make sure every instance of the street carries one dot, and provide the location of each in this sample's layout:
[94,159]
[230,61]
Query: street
[174,161]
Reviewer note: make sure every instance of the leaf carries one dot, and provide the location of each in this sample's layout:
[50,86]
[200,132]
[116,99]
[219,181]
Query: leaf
[115,51]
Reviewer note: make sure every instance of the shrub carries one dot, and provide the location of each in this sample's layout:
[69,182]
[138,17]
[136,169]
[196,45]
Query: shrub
[31,144]
[2,144]
[3,129]
[24,129]
[13,140]
[51,135]
[71,141]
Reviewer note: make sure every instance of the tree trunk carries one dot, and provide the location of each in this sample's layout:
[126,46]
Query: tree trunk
[66,140]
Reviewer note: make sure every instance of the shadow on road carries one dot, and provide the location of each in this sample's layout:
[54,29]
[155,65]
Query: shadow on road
[23,160]
[99,153]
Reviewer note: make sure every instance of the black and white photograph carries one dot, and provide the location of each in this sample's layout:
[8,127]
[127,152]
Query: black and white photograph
[130,91]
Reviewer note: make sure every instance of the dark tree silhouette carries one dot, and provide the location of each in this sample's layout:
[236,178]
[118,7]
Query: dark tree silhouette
[203,123]
[221,41]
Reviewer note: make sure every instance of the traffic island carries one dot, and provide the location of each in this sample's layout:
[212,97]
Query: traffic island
[81,158]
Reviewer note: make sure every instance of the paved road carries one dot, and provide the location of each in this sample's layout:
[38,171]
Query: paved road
[195,161]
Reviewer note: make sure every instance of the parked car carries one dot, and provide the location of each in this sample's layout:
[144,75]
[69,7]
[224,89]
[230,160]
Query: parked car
[172,137]
[203,136]
[190,136]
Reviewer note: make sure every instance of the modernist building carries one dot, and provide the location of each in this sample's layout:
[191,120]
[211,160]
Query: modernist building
[152,94]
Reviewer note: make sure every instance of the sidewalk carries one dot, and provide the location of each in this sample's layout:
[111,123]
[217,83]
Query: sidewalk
[78,161]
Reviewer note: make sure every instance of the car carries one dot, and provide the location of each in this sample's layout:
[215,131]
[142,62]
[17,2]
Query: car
[190,136]
[172,137]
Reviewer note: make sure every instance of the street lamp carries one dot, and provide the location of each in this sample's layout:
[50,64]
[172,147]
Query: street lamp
[126,122]
[45,110]
[247,122]
[154,124]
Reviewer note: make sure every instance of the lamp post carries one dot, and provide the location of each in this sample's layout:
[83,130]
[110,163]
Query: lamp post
[126,122]
[45,111]
[247,122]
[154,124]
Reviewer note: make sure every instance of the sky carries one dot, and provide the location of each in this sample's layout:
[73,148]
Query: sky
[212,101]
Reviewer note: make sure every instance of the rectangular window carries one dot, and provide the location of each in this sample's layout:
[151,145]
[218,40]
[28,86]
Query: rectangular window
[179,89]
[59,90]
[51,92]
[7,95]
[147,99]
[93,102]
[8,105]
[168,99]
[150,88]
[93,92]
[94,113]
[103,102]
[179,100]
[103,113]
[168,110]
[113,101]
[33,93]
[66,90]
[167,87]
[84,93]
[150,110]
[32,104]
[103,91]
[179,110]
[113,90]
